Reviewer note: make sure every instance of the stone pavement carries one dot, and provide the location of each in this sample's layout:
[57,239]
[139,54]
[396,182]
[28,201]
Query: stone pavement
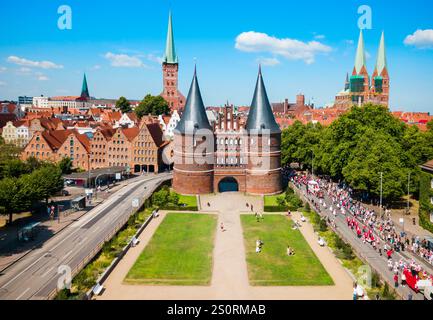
[229,277]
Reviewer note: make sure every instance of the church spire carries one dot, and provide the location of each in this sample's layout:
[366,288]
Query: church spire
[84,89]
[260,115]
[381,56]
[170,51]
[360,55]
[194,115]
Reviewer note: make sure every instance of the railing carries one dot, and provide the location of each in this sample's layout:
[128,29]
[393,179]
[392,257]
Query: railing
[357,252]
[100,245]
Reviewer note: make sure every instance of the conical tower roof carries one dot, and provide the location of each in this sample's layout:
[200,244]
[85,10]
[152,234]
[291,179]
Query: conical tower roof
[261,116]
[194,115]
[360,60]
[170,51]
[84,88]
[381,56]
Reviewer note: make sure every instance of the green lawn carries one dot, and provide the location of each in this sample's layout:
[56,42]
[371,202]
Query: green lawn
[272,267]
[272,200]
[179,253]
[189,201]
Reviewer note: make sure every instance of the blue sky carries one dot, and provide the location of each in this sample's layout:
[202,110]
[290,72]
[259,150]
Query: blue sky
[118,45]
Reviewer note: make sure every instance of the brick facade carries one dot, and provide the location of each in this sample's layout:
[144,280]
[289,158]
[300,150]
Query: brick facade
[171,94]
[254,162]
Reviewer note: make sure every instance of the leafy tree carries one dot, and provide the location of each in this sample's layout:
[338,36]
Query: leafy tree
[13,168]
[66,165]
[376,152]
[46,181]
[9,152]
[430,125]
[173,198]
[155,105]
[160,198]
[124,105]
[13,197]
[33,163]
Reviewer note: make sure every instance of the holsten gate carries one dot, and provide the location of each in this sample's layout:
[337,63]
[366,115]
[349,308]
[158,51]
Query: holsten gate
[230,155]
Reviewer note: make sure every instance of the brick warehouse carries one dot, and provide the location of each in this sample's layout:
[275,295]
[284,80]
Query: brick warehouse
[230,156]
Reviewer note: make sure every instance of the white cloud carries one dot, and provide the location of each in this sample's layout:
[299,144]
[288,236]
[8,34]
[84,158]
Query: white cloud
[291,49]
[349,42]
[123,60]
[319,37]
[2,83]
[270,62]
[43,78]
[422,39]
[3,69]
[96,67]
[24,71]
[153,58]
[35,64]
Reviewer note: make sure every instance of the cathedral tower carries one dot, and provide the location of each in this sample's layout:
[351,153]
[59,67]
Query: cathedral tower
[380,77]
[170,69]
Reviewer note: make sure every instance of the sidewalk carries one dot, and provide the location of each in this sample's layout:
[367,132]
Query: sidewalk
[229,276]
[12,250]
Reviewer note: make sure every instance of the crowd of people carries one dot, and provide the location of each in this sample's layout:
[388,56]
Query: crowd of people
[374,229]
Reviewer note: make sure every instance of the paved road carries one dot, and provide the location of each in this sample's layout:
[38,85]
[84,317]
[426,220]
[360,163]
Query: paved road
[36,276]
[368,253]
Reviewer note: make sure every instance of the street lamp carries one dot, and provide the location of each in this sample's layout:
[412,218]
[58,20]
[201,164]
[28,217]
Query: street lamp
[381,192]
[408,193]
[312,163]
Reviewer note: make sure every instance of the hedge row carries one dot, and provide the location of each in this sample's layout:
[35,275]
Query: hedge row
[425,206]
[179,208]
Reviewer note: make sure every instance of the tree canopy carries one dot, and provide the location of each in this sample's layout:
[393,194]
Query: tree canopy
[24,183]
[358,146]
[124,105]
[154,105]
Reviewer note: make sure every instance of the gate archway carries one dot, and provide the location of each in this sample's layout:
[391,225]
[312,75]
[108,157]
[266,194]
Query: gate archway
[228,184]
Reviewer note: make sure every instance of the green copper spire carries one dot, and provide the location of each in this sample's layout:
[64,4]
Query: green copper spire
[381,56]
[85,89]
[170,52]
[360,54]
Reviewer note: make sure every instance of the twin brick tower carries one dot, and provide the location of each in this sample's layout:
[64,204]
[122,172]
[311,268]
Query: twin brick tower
[230,155]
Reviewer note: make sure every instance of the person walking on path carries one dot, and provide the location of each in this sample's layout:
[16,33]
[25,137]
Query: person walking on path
[396,280]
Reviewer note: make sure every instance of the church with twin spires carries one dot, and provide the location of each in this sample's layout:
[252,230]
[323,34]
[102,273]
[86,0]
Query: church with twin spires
[359,87]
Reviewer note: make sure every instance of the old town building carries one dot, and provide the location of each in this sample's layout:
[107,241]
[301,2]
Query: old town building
[147,147]
[120,147]
[229,157]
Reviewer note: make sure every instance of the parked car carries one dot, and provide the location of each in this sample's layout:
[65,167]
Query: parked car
[69,182]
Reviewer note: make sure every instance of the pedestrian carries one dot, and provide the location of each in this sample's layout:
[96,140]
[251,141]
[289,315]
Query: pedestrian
[355,292]
[222,227]
[403,280]
[396,280]
[410,296]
